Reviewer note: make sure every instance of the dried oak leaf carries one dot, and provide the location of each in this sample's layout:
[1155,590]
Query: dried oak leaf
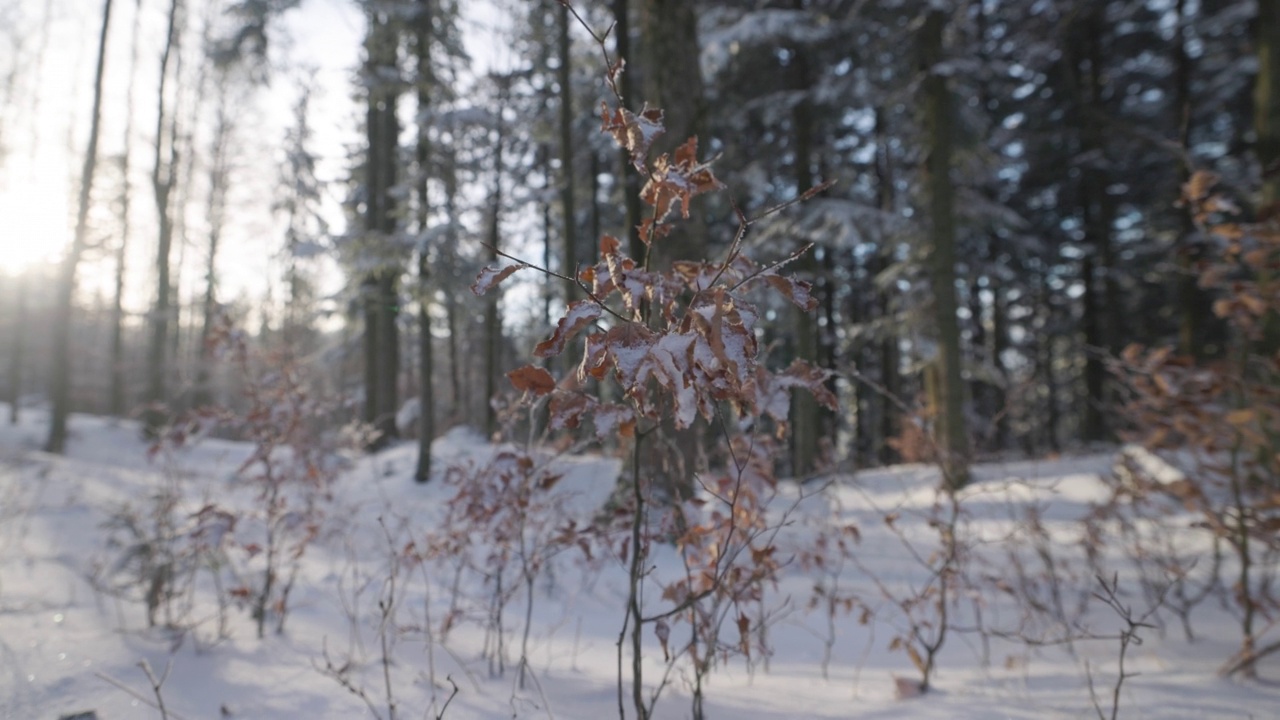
[678,181]
[581,315]
[490,277]
[531,378]
[634,133]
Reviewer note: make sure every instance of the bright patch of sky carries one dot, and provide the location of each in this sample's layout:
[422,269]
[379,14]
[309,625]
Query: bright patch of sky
[45,128]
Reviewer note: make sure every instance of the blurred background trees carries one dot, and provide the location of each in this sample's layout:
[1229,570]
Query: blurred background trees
[1003,222]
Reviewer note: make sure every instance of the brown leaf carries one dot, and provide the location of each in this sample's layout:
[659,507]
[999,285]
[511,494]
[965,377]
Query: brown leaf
[531,378]
[490,277]
[634,133]
[1240,417]
[581,314]
[744,638]
[797,291]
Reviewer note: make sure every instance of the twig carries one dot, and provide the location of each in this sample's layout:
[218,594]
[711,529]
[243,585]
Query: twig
[452,695]
[165,713]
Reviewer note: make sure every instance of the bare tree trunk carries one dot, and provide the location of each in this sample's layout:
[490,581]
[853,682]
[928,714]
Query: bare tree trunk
[426,358]
[805,413]
[17,345]
[379,287]
[1099,292]
[117,391]
[1266,99]
[952,435]
[673,82]
[564,76]
[630,179]
[492,318]
[162,181]
[60,385]
[890,386]
[457,400]
[216,211]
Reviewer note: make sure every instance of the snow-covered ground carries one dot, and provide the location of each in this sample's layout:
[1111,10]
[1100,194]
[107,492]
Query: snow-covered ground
[73,632]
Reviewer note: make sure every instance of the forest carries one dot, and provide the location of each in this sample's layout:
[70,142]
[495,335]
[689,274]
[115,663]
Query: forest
[953,318]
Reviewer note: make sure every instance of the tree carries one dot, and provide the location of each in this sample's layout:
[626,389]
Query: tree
[564,77]
[163,177]
[1266,100]
[425,80]
[379,287]
[60,383]
[947,386]
[116,401]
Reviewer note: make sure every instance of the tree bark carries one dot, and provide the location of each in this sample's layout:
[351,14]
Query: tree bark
[630,179]
[805,413]
[216,211]
[426,357]
[952,436]
[117,376]
[492,318]
[379,288]
[61,378]
[1266,100]
[162,181]
[673,82]
[1101,328]
[564,76]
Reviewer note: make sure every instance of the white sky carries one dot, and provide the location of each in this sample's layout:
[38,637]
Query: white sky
[46,128]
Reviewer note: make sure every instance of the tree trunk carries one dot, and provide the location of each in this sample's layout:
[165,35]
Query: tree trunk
[162,181]
[806,418]
[1266,100]
[426,358]
[673,82]
[630,179]
[889,393]
[952,436]
[117,376]
[492,318]
[17,345]
[216,211]
[568,210]
[457,399]
[60,385]
[1100,327]
[379,288]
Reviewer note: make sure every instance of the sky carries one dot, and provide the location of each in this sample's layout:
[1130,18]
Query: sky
[45,128]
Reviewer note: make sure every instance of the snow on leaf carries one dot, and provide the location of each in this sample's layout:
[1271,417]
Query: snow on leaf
[671,367]
[797,291]
[490,277]
[566,410]
[634,133]
[531,378]
[614,421]
[628,347]
[678,181]
[580,316]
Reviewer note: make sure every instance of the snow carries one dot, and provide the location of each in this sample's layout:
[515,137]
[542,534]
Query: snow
[66,646]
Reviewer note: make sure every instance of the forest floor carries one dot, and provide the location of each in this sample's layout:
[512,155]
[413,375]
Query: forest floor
[74,632]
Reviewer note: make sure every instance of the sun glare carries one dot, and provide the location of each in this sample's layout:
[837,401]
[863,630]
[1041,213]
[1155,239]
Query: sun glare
[33,225]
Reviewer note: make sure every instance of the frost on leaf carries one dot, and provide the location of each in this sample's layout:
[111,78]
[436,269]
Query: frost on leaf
[670,357]
[628,346]
[634,133]
[614,421]
[581,315]
[797,291]
[532,379]
[490,277]
[678,181]
[567,409]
